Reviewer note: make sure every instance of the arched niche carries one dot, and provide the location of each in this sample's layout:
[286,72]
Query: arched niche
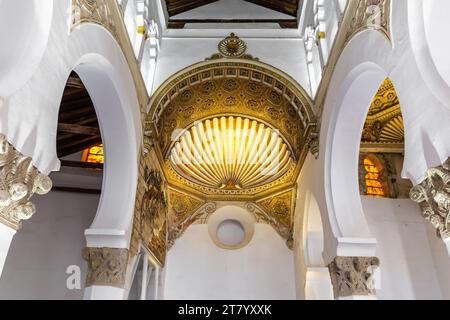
[24,32]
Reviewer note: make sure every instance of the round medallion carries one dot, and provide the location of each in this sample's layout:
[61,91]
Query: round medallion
[232,47]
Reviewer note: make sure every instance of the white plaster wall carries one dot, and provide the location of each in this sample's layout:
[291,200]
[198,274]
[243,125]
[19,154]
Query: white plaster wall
[287,55]
[405,250]
[42,250]
[197,269]
[441,260]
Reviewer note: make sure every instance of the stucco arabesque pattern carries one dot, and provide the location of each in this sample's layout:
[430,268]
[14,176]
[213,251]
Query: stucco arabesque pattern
[106,266]
[19,181]
[433,196]
[353,276]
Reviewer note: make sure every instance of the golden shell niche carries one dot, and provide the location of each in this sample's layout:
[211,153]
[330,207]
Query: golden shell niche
[231,153]
[231,90]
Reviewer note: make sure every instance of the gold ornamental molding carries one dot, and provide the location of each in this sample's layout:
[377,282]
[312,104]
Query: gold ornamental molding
[384,122]
[277,211]
[19,181]
[185,210]
[201,98]
[151,207]
[108,14]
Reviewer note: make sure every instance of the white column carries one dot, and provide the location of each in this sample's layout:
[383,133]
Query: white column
[318,284]
[6,236]
[104,293]
[447,245]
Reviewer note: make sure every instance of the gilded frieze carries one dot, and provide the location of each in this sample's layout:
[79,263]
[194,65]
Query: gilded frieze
[182,211]
[232,96]
[151,208]
[384,122]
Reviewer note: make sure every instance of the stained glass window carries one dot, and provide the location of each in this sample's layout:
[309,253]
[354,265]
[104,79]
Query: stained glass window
[94,154]
[374,180]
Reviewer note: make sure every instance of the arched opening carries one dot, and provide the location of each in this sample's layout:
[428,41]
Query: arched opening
[395,220]
[52,241]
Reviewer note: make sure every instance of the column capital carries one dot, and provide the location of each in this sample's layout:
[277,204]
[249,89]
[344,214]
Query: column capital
[352,276]
[433,196]
[19,181]
[106,266]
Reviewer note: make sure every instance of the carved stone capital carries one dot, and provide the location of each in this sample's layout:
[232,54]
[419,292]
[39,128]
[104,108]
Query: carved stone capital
[352,276]
[433,196]
[314,144]
[19,181]
[106,266]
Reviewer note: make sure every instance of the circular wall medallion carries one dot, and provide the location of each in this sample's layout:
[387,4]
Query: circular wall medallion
[232,47]
[231,227]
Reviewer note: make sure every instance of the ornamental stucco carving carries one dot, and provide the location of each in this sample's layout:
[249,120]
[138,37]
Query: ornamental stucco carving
[370,14]
[433,196]
[106,266]
[151,208]
[19,181]
[93,11]
[353,276]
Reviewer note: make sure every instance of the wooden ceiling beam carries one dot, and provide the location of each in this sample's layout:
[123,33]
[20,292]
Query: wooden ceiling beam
[284,23]
[289,7]
[175,7]
[78,129]
[77,145]
[74,115]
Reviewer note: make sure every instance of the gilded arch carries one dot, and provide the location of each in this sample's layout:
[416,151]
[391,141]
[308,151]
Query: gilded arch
[233,87]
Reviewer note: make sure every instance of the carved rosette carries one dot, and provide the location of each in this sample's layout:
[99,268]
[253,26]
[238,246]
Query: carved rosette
[352,276]
[107,266]
[19,181]
[433,196]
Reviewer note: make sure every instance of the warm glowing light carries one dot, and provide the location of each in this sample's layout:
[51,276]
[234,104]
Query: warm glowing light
[94,154]
[373,178]
[231,153]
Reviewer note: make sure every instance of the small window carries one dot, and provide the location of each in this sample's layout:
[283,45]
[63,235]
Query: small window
[94,154]
[374,177]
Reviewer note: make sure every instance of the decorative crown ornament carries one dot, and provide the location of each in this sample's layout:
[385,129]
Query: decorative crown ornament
[232,47]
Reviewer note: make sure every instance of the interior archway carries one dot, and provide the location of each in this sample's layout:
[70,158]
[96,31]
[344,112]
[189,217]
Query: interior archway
[52,241]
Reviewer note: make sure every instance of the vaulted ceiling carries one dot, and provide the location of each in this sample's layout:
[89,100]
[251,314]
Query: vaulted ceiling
[287,7]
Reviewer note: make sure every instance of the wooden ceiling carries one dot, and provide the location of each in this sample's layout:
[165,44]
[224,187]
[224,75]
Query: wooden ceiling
[288,7]
[78,127]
